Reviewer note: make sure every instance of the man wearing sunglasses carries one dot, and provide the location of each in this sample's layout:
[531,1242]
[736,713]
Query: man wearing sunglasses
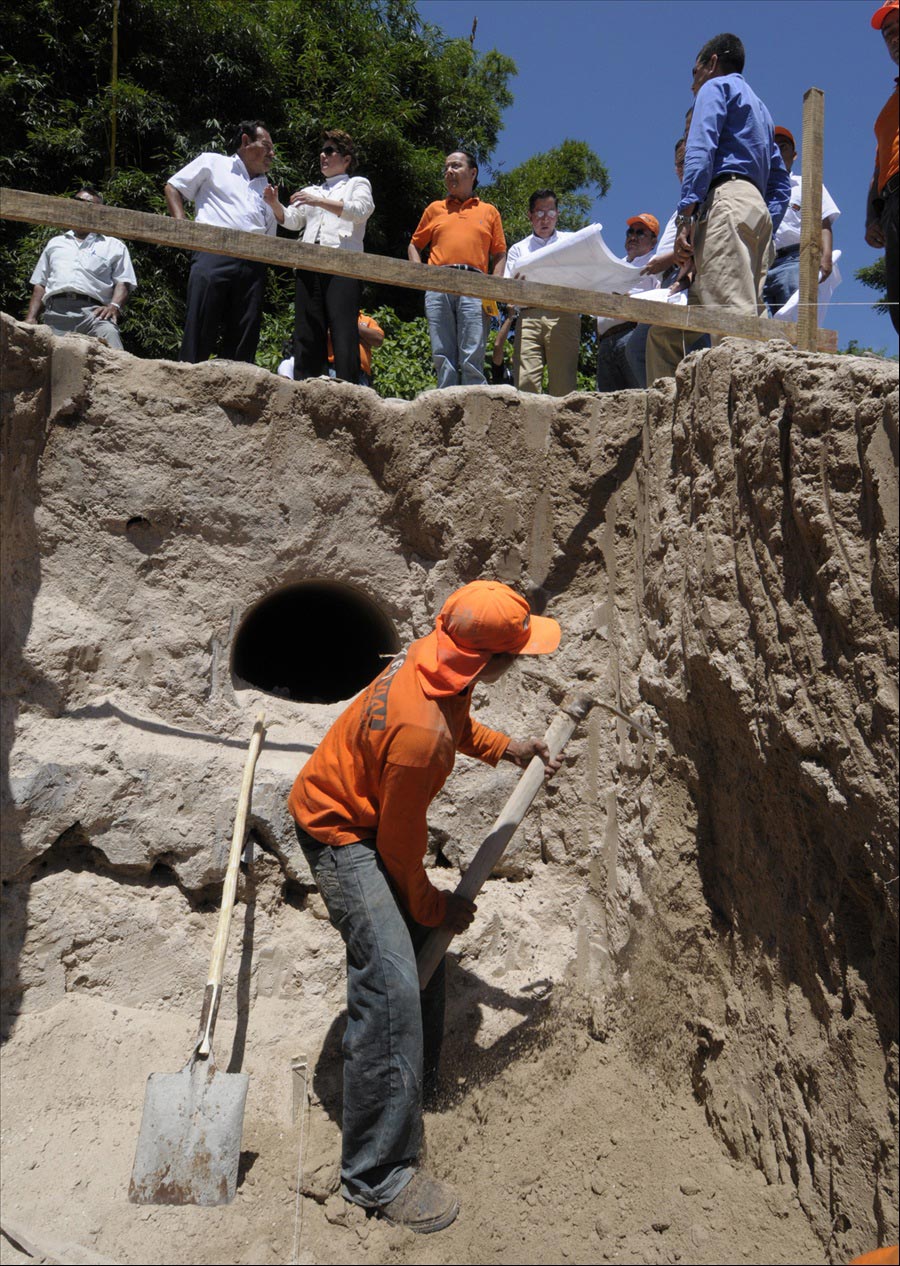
[543,337]
[734,195]
[614,337]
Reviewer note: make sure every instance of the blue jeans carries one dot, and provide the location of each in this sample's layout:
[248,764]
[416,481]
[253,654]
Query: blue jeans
[636,354]
[614,373]
[458,328]
[782,279]
[384,1048]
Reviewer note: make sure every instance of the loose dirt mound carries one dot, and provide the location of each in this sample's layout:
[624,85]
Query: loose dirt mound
[566,1153]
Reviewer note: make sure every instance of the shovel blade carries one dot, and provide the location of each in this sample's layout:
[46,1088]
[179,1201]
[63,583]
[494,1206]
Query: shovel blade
[189,1144]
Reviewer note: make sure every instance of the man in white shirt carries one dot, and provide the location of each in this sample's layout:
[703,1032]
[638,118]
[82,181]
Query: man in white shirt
[543,337]
[614,372]
[783,277]
[225,294]
[82,282]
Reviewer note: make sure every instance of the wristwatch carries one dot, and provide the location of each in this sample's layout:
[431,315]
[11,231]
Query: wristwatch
[685,220]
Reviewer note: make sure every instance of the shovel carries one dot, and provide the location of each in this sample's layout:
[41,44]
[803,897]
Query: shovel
[190,1139]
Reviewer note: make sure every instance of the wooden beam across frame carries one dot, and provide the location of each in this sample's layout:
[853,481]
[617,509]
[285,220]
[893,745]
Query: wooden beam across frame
[161,230]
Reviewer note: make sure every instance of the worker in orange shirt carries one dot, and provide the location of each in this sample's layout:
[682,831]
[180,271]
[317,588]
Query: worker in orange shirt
[883,205]
[359,805]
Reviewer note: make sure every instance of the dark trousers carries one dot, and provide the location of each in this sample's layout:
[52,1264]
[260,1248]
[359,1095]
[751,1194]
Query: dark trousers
[224,308]
[324,303]
[614,373]
[782,279]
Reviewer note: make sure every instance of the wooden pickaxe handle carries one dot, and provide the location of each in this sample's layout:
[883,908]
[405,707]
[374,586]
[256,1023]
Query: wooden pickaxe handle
[573,709]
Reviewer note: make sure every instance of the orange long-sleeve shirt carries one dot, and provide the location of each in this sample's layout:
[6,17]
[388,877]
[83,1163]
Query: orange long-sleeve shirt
[379,767]
[887,154]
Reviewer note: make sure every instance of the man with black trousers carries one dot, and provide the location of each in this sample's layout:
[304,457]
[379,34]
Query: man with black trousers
[225,295]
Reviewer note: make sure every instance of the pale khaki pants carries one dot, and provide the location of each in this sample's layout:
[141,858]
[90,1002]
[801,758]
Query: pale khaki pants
[551,337]
[732,249]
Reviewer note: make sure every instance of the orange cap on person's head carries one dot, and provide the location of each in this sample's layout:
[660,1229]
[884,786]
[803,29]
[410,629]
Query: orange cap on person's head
[482,619]
[879,1256]
[880,14]
[782,131]
[489,616]
[649,222]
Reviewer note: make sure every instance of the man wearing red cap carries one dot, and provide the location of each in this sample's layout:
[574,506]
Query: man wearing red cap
[883,206]
[615,350]
[360,806]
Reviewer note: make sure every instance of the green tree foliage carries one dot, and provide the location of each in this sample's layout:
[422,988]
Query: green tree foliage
[190,69]
[402,366]
[572,170]
[875,277]
[855,348]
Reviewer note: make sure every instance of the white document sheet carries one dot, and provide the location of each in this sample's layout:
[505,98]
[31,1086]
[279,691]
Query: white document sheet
[586,262]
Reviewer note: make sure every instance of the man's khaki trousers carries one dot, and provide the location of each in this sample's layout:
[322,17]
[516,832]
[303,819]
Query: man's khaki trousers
[553,337]
[732,249]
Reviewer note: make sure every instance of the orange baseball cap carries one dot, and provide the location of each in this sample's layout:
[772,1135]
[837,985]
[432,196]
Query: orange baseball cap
[489,616]
[649,222]
[880,14]
[482,619]
[782,131]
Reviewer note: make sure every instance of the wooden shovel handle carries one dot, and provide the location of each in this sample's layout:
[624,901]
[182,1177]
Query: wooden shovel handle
[512,813]
[220,943]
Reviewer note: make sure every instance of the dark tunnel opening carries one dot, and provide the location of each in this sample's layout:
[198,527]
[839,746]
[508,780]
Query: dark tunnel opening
[315,642]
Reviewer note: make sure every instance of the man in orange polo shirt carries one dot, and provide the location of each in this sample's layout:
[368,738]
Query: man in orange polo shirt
[883,206]
[465,233]
[360,806]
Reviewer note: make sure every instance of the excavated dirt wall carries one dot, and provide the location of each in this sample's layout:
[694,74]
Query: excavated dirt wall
[723,560]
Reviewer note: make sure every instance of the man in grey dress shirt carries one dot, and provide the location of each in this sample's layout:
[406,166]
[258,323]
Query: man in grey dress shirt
[225,294]
[81,282]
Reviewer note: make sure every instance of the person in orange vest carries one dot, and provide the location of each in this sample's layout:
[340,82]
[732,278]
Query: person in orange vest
[883,205]
[360,808]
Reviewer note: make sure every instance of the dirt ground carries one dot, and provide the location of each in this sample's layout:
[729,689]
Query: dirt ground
[561,1149]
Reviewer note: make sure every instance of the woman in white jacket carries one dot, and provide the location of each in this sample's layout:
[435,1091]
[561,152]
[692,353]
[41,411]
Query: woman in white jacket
[331,214]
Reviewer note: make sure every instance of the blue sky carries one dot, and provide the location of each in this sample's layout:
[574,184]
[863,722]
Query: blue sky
[617,75]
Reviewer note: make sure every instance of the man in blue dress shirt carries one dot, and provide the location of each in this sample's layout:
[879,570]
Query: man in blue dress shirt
[733,196]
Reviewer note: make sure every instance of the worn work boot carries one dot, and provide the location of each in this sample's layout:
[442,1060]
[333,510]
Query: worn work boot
[424,1205]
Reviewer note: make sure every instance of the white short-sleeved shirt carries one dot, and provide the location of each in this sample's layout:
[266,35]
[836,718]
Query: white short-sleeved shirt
[789,229]
[225,194]
[91,266]
[666,242]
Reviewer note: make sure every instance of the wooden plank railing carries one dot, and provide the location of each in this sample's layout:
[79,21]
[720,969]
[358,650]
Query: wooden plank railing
[161,230]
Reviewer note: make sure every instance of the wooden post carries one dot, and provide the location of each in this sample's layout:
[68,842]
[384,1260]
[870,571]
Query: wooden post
[811,218]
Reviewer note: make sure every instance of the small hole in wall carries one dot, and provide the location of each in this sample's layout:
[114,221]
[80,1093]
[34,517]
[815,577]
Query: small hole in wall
[142,534]
[315,642]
